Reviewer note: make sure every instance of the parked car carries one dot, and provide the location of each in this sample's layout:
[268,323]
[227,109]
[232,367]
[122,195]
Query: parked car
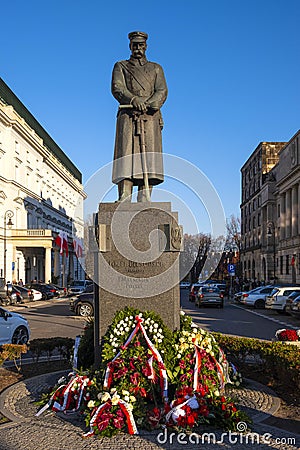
[46,290]
[290,301]
[27,294]
[256,297]
[277,299]
[185,285]
[78,286]
[57,290]
[193,291]
[293,306]
[223,288]
[209,296]
[37,295]
[62,290]
[83,304]
[237,296]
[8,295]
[14,328]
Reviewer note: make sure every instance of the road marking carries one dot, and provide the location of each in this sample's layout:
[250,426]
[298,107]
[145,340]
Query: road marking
[266,317]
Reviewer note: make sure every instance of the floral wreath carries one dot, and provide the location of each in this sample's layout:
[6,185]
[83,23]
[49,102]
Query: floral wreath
[143,364]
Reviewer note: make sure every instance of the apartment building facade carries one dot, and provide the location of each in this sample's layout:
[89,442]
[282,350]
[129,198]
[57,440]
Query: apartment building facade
[270,212]
[41,200]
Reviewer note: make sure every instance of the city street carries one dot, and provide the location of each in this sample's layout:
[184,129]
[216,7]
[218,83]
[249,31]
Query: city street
[53,318]
[237,319]
[50,318]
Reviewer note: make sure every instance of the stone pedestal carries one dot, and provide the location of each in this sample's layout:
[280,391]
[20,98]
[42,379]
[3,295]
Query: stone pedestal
[139,247]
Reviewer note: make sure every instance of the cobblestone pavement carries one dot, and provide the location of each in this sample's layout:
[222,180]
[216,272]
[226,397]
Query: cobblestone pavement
[59,432]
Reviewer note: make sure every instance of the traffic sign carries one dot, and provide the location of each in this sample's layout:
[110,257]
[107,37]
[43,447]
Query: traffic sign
[231,269]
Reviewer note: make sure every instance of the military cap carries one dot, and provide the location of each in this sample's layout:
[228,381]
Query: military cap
[137,36]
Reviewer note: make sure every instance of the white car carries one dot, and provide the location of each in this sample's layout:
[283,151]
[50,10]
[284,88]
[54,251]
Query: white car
[277,299]
[14,328]
[78,286]
[256,297]
[37,295]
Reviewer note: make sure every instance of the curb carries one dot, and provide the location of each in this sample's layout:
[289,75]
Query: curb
[9,412]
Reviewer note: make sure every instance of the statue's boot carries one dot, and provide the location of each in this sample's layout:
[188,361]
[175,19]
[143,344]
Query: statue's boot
[142,195]
[125,190]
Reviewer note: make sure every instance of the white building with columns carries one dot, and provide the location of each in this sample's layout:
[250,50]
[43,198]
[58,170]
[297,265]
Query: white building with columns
[270,212]
[41,195]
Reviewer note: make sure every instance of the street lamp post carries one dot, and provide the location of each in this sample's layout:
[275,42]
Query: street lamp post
[7,223]
[271,233]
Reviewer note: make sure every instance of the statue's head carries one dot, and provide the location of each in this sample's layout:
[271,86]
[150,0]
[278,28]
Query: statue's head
[138,43]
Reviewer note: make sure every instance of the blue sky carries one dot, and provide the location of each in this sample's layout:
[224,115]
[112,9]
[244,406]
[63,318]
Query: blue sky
[232,69]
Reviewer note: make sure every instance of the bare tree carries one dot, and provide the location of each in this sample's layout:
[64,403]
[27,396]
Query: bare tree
[193,257]
[234,239]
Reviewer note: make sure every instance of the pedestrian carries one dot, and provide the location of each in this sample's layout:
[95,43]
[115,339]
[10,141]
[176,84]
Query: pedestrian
[140,87]
[20,283]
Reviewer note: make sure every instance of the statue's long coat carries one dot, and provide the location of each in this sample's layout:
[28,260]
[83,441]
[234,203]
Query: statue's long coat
[145,79]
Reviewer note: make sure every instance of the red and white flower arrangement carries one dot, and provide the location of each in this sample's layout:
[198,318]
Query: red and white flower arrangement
[144,363]
[288,335]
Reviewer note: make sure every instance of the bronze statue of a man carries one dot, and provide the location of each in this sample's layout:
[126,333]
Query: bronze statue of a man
[140,88]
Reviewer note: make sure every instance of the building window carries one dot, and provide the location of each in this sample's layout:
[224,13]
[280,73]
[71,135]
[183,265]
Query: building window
[258,201]
[281,265]
[287,264]
[258,220]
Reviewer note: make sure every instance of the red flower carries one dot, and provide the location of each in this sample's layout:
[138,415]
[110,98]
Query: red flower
[146,370]
[118,422]
[120,413]
[102,425]
[190,420]
[143,392]
[134,378]
[182,364]
[131,365]
[181,421]
[154,416]
[288,335]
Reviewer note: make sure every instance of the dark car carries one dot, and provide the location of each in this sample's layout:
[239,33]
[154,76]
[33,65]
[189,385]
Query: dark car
[295,308]
[57,290]
[193,291]
[46,290]
[209,296]
[292,305]
[83,304]
[26,293]
[223,288]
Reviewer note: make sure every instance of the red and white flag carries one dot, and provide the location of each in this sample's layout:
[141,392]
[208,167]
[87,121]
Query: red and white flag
[62,241]
[78,247]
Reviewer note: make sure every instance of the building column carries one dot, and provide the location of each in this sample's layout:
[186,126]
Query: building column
[288,216]
[56,269]
[295,210]
[47,264]
[282,216]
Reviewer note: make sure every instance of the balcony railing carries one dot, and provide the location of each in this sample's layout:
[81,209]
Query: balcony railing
[31,233]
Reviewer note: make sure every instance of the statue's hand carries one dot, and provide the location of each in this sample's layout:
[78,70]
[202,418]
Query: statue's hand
[139,104]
